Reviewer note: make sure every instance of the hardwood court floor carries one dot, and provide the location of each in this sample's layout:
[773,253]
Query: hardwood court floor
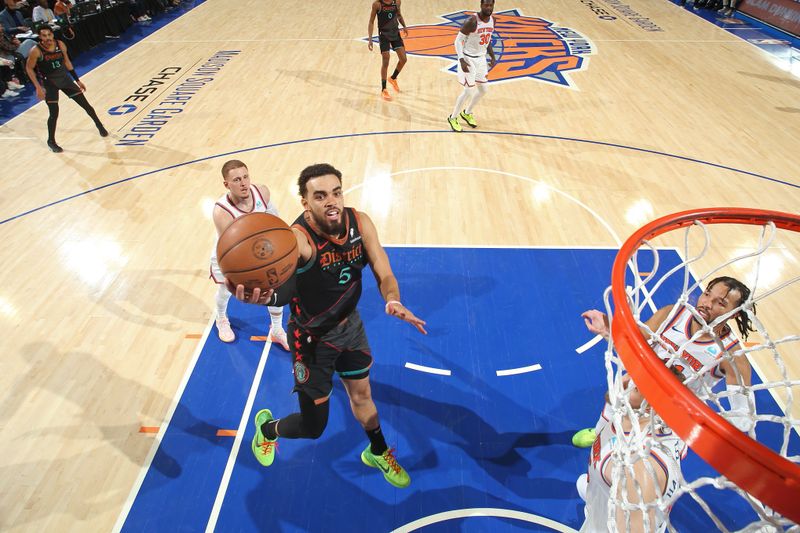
[104,293]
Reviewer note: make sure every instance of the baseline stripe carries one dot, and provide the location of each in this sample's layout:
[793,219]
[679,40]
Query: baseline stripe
[428,369]
[521,370]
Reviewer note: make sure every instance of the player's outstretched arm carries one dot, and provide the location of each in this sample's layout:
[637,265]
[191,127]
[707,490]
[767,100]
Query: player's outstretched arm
[284,292]
[257,296]
[596,322]
[382,270]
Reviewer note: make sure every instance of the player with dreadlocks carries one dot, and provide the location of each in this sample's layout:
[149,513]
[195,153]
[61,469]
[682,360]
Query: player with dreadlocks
[701,345]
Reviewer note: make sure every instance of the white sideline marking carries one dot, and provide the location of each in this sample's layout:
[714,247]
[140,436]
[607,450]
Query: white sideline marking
[226,476]
[126,508]
[595,340]
[428,369]
[520,370]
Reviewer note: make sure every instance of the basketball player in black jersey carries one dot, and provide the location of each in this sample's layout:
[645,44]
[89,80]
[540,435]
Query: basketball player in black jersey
[50,60]
[325,331]
[388,37]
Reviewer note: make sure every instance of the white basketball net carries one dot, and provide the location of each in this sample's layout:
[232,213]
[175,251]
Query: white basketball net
[709,496]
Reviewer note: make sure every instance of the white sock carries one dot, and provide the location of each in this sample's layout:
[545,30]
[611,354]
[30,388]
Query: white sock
[462,98]
[222,301]
[475,99]
[276,317]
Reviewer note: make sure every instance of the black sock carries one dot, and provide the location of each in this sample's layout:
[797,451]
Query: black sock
[376,440]
[268,429]
[84,103]
[383,84]
[52,120]
[395,74]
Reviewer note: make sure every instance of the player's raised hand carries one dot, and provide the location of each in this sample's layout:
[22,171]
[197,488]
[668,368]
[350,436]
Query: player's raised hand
[596,322]
[256,296]
[399,310]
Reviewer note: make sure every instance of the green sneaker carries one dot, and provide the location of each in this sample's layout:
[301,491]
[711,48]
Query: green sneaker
[263,448]
[453,121]
[470,118]
[584,438]
[386,463]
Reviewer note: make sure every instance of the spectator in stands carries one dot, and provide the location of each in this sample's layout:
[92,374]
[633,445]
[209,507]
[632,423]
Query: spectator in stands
[728,7]
[9,46]
[13,22]
[138,10]
[6,82]
[43,14]
[17,8]
[61,8]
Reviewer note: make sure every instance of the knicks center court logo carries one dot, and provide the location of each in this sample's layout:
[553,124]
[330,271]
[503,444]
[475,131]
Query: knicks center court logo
[525,47]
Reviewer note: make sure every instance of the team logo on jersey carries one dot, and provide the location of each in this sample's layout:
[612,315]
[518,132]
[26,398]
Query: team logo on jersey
[263,248]
[301,373]
[525,47]
[712,350]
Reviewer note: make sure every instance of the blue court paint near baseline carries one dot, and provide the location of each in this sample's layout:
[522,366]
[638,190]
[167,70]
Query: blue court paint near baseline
[188,466]
[471,439]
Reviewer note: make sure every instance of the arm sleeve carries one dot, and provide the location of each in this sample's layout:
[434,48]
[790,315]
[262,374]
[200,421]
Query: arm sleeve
[283,294]
[459,43]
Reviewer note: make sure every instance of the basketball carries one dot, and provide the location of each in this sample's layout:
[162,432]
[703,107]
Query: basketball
[257,250]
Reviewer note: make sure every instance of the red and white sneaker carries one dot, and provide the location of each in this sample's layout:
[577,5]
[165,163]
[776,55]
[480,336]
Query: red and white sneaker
[224,330]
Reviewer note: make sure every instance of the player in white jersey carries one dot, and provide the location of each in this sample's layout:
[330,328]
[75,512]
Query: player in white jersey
[472,42]
[699,357]
[700,360]
[242,198]
[657,473]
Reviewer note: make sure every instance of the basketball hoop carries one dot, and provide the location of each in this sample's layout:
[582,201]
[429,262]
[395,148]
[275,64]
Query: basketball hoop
[767,475]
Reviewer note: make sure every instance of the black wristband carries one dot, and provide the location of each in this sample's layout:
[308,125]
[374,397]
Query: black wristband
[74,75]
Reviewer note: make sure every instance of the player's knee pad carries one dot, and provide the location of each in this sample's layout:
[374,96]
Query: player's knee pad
[471,91]
[481,88]
[53,108]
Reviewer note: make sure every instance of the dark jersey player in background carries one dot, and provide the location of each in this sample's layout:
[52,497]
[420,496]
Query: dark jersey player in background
[51,71]
[326,334]
[388,37]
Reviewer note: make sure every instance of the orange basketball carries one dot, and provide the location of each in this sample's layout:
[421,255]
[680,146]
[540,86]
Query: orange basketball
[257,250]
